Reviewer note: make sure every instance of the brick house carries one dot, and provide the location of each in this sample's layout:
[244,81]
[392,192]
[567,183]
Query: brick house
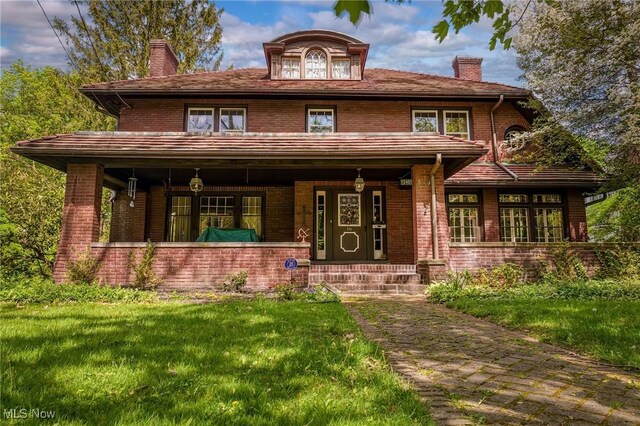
[371,178]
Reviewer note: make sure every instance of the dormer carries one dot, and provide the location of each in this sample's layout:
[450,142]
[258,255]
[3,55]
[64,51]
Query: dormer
[316,55]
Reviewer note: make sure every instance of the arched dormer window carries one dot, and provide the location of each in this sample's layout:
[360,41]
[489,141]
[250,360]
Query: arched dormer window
[315,65]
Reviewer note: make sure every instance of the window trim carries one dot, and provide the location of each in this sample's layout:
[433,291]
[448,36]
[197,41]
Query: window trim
[531,206]
[310,108]
[413,119]
[244,119]
[479,205]
[444,122]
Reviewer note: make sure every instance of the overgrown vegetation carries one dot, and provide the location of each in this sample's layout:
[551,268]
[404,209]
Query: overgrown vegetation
[235,282]
[293,290]
[234,362]
[83,269]
[145,277]
[45,291]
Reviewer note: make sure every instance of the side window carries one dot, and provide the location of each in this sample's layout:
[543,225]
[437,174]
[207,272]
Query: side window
[320,120]
[464,221]
[232,119]
[340,69]
[425,121]
[456,123]
[290,68]
[200,120]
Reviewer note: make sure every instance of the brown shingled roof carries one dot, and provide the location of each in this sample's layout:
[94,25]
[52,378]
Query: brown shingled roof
[256,81]
[529,175]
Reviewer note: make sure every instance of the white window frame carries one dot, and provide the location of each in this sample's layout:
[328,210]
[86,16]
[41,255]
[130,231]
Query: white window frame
[244,119]
[296,59]
[348,61]
[444,122]
[333,122]
[213,117]
[413,119]
[326,63]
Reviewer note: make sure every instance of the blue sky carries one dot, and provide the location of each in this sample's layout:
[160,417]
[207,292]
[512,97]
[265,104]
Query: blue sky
[400,35]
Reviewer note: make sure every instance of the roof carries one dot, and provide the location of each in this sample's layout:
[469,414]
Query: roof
[171,148]
[256,81]
[529,175]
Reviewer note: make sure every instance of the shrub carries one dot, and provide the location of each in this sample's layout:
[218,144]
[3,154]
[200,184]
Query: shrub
[321,294]
[83,269]
[619,263]
[44,291]
[564,264]
[503,276]
[144,275]
[288,290]
[235,282]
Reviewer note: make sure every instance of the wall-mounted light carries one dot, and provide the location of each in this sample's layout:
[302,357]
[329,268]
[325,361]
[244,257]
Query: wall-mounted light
[196,183]
[358,185]
[131,189]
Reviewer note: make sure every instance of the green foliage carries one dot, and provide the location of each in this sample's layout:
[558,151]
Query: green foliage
[112,42]
[619,262]
[44,291]
[36,102]
[288,290]
[235,282]
[320,294]
[563,264]
[83,269]
[144,275]
[354,8]
[503,276]
[617,218]
[228,363]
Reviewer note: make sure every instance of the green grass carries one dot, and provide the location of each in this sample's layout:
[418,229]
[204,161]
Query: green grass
[606,329]
[235,362]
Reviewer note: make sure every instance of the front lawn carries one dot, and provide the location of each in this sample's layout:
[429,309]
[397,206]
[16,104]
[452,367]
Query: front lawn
[235,362]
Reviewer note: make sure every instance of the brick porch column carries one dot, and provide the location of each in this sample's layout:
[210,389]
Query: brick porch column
[81,215]
[577,216]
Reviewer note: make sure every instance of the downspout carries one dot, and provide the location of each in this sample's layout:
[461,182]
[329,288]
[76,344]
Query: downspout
[494,140]
[434,209]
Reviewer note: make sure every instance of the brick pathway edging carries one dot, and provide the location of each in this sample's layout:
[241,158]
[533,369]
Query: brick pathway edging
[471,371]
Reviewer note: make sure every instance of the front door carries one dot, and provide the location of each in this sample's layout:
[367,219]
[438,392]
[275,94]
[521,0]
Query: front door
[349,225]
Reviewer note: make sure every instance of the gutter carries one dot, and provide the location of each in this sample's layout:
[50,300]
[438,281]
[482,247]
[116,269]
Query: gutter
[494,140]
[434,210]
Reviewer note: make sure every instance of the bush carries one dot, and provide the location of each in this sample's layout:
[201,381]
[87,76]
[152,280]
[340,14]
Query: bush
[321,294]
[288,290]
[503,276]
[44,291]
[235,282]
[144,275]
[563,264]
[619,263]
[83,269]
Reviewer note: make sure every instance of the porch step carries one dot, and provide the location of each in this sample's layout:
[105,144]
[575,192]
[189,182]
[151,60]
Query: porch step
[367,278]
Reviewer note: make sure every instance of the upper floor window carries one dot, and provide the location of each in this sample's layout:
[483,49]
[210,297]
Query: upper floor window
[315,65]
[425,121]
[200,120]
[320,121]
[456,123]
[290,68]
[232,119]
[340,68]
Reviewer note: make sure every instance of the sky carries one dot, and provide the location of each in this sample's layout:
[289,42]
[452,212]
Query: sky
[400,35]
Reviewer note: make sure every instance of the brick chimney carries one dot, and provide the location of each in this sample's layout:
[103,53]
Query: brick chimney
[162,60]
[467,68]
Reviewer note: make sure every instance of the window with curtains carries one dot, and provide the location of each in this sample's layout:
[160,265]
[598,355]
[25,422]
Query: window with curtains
[537,217]
[180,219]
[464,217]
[315,65]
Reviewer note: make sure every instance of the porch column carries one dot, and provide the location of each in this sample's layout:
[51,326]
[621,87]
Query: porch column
[490,214]
[577,216]
[427,266]
[81,214]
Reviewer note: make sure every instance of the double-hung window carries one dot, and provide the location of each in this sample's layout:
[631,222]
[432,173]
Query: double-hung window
[456,123]
[464,220]
[200,120]
[232,119]
[203,119]
[320,120]
[535,217]
[425,121]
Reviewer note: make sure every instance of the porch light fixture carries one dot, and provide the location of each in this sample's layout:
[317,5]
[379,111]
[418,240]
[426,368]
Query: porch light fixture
[131,189]
[358,185]
[196,183]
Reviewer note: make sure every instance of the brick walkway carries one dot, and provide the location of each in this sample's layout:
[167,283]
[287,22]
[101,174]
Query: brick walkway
[471,371]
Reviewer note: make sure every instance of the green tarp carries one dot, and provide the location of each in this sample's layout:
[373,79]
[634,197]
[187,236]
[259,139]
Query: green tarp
[218,235]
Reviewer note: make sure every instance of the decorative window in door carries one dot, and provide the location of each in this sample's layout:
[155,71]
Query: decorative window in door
[216,211]
[348,209]
[378,232]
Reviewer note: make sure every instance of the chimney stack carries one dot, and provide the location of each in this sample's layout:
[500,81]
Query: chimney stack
[467,68]
[162,60]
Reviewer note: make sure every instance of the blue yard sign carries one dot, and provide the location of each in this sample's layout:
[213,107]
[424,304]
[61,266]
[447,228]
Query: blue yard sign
[291,263]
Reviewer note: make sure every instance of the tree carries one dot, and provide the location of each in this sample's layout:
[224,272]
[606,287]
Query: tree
[114,43]
[36,102]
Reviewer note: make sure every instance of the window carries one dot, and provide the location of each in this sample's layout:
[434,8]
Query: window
[513,139]
[320,121]
[216,211]
[252,214]
[340,69]
[290,68]
[232,119]
[200,120]
[544,209]
[464,222]
[456,123]
[180,219]
[315,65]
[425,121]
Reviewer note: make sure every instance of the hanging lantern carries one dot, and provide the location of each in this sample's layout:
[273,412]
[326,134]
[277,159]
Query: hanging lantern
[131,190]
[358,185]
[196,183]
